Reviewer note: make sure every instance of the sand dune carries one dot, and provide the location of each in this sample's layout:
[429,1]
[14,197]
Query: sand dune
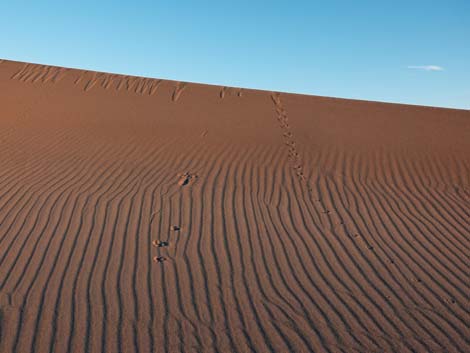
[143,215]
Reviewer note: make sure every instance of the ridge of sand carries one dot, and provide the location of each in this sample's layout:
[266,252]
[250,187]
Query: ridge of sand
[147,215]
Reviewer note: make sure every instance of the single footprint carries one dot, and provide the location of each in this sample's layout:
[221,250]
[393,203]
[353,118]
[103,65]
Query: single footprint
[160,244]
[159,259]
[186,178]
[287,134]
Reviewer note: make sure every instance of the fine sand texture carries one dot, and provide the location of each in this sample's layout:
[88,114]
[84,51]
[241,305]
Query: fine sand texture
[145,215]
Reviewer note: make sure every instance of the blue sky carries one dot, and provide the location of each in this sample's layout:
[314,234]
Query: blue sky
[415,52]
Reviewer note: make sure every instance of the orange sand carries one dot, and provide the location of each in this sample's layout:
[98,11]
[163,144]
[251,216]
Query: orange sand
[143,215]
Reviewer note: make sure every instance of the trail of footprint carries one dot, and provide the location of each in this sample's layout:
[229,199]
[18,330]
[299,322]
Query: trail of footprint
[163,244]
[288,136]
[184,179]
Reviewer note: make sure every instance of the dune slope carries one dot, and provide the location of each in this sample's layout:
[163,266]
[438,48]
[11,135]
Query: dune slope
[144,215]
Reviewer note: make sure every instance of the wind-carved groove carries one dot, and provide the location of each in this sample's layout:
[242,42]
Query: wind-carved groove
[180,86]
[228,90]
[139,85]
[39,73]
[96,77]
[288,136]
[222,92]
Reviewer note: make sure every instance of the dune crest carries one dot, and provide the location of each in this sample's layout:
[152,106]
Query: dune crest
[146,215]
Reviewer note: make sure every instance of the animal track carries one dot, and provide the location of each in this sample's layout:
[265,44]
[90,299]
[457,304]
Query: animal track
[175,228]
[288,136]
[159,259]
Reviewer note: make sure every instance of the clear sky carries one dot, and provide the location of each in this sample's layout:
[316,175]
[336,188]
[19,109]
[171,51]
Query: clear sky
[415,52]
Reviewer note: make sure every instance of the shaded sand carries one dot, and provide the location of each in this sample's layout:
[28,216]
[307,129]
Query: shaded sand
[141,215]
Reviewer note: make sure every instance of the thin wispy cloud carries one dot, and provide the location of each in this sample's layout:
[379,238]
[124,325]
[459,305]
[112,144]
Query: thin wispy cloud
[426,67]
